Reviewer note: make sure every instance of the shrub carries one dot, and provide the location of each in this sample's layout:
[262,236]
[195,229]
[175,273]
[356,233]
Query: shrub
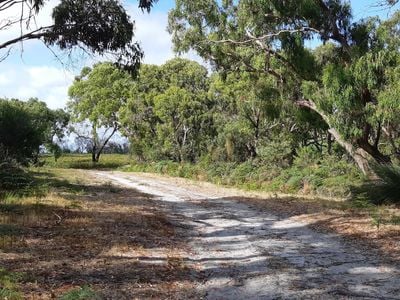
[385,189]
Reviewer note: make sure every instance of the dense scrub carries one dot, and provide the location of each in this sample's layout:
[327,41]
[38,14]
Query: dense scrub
[381,190]
[325,177]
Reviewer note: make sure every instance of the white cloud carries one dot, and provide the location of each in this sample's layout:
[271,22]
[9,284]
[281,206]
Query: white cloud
[151,32]
[49,84]
[47,77]
[4,80]
[153,37]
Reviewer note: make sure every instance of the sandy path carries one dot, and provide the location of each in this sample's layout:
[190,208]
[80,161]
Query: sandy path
[248,254]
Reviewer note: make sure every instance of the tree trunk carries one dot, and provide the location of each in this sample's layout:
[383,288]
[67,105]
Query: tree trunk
[94,160]
[95,140]
[329,141]
[97,155]
[374,152]
[360,156]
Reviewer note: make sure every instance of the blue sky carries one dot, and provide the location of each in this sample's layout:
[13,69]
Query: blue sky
[34,71]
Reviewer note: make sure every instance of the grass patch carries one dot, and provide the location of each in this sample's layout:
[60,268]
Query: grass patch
[9,230]
[84,161]
[64,239]
[81,293]
[9,284]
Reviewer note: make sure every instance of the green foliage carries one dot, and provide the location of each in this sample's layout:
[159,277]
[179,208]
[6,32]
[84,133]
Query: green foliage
[384,190]
[19,139]
[245,109]
[98,93]
[310,174]
[9,285]
[96,97]
[25,126]
[81,293]
[108,30]
[167,116]
[349,82]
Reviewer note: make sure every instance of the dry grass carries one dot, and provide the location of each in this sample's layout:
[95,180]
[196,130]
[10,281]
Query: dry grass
[117,241]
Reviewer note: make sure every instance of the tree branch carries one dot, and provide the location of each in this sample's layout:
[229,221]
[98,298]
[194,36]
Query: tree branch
[35,34]
[253,38]
[336,35]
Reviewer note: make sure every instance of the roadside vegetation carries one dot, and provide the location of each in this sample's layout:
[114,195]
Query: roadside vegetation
[269,115]
[338,183]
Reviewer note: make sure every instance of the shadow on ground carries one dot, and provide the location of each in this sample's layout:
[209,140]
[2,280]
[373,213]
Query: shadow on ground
[126,244]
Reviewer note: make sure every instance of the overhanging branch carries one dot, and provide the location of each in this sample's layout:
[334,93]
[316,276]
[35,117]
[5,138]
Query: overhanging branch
[252,38]
[35,34]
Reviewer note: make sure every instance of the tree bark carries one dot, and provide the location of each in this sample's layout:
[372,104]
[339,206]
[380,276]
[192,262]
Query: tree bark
[374,152]
[94,160]
[105,143]
[329,141]
[359,155]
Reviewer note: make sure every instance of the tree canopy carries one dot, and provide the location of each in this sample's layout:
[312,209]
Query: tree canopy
[168,111]
[26,126]
[96,96]
[96,26]
[346,81]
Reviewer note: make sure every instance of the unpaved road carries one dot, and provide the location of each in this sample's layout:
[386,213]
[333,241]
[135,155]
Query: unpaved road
[245,253]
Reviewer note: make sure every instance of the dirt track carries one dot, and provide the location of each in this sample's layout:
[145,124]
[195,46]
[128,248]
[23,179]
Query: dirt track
[244,253]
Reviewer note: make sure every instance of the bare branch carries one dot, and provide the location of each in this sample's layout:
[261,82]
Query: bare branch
[5,55]
[253,38]
[5,4]
[35,34]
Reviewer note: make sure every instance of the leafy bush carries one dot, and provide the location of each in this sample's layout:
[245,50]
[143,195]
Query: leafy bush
[386,189]
[310,173]
[26,126]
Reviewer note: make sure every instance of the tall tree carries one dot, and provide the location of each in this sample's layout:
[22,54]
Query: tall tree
[168,111]
[246,109]
[96,96]
[51,125]
[269,37]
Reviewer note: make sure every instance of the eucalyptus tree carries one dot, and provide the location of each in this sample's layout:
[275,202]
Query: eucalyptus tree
[246,110]
[344,82]
[97,96]
[96,26]
[167,115]
[52,126]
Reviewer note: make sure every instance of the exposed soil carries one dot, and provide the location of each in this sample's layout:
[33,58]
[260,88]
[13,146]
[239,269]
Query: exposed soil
[254,248]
